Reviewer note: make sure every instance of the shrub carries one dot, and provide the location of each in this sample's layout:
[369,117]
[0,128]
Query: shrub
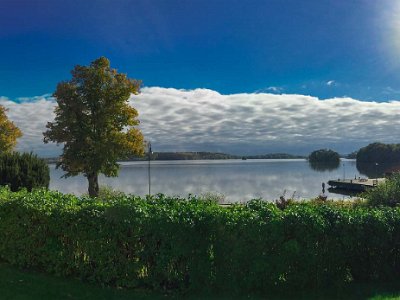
[386,193]
[108,193]
[212,196]
[24,170]
[176,244]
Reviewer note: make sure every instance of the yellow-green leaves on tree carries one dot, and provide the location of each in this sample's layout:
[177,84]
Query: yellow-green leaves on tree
[8,132]
[95,122]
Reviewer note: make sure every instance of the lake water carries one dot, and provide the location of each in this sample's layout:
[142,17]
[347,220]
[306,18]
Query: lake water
[236,180]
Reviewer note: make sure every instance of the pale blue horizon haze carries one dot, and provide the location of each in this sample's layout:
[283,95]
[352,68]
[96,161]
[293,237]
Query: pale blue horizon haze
[241,77]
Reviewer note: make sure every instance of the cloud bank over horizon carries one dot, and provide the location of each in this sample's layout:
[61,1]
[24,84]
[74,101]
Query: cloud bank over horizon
[247,123]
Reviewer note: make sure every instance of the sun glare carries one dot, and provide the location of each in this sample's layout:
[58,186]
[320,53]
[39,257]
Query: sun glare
[390,26]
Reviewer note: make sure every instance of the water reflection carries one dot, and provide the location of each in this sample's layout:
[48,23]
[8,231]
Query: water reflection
[324,166]
[237,180]
[374,170]
[342,192]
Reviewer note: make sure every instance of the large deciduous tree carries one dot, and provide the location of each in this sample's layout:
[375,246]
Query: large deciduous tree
[8,132]
[95,122]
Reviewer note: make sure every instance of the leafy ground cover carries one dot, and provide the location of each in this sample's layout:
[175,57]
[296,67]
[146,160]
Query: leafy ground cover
[18,285]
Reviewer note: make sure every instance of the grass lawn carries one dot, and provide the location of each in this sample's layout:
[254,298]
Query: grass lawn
[16,284]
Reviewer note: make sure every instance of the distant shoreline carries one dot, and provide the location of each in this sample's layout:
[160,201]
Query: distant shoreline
[163,156]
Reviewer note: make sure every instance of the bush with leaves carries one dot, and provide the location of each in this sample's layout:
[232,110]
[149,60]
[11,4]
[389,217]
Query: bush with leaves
[386,193]
[24,170]
[175,244]
[9,133]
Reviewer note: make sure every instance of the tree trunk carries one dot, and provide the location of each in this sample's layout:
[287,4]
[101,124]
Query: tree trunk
[93,189]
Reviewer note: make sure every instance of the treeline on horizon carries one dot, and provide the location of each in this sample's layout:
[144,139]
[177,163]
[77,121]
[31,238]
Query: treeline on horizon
[201,156]
[373,153]
[375,160]
[213,155]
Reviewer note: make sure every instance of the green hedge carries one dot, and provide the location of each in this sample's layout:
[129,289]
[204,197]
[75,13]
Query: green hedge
[23,170]
[191,245]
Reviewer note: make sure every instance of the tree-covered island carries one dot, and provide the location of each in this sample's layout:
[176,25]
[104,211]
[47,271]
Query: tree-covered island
[324,156]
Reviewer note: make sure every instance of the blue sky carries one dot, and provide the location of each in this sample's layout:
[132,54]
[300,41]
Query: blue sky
[325,49]
[227,46]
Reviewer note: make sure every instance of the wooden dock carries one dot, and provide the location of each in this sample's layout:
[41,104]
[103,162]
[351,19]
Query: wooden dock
[357,185]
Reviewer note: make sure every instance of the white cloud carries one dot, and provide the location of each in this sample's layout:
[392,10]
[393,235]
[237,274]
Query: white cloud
[275,89]
[204,120]
[330,83]
[270,89]
[31,116]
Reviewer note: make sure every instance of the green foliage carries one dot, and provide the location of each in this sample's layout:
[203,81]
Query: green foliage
[283,202]
[195,245]
[379,153]
[95,122]
[386,193]
[324,160]
[108,193]
[324,155]
[8,132]
[212,196]
[376,159]
[24,170]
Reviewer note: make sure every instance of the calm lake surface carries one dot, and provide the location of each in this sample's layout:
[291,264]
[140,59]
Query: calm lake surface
[236,180]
